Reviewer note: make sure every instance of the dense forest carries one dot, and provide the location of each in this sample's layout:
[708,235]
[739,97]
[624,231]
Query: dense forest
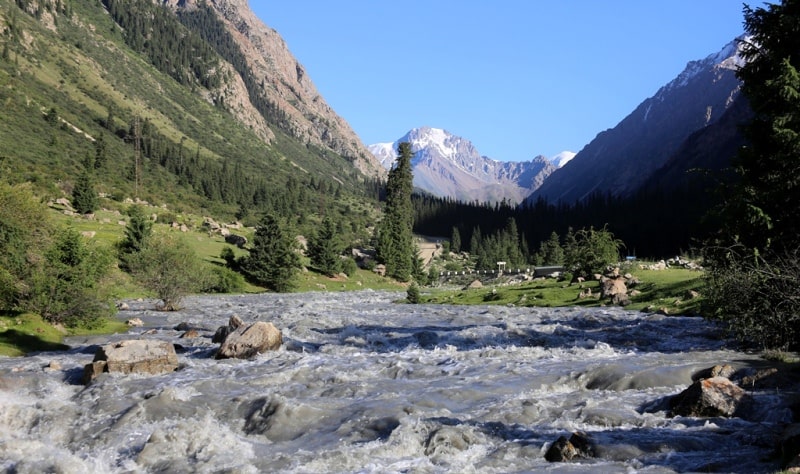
[654,223]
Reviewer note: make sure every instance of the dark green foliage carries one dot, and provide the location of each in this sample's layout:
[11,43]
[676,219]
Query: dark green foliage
[412,293]
[755,295]
[229,257]
[349,266]
[395,239]
[273,260]
[224,280]
[169,267]
[65,289]
[154,31]
[550,252]
[84,197]
[590,251]
[455,240]
[138,232]
[766,209]
[324,250]
[502,246]
[752,263]
[24,234]
[100,152]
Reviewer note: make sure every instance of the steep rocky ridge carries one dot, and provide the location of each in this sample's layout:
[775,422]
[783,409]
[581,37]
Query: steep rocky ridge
[622,159]
[284,82]
[446,165]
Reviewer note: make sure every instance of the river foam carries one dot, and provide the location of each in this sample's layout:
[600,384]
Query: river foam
[362,384]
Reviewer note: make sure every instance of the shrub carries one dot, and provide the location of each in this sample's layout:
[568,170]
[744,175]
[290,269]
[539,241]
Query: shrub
[755,295]
[224,280]
[169,267]
[412,294]
[65,289]
[349,266]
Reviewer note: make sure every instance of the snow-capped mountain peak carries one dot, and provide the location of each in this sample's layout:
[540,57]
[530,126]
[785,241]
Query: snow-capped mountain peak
[562,158]
[447,165]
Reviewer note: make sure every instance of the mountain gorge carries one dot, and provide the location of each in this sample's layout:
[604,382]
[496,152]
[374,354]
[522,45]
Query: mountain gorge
[446,165]
[620,160]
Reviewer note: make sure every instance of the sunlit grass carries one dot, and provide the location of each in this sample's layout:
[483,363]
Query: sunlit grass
[666,290]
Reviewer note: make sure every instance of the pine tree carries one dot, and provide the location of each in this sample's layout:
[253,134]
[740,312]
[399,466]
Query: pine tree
[752,265]
[100,156]
[550,251]
[84,197]
[137,235]
[273,261]
[455,240]
[769,166]
[324,249]
[395,240]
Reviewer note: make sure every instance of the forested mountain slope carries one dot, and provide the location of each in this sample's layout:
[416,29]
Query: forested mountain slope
[174,105]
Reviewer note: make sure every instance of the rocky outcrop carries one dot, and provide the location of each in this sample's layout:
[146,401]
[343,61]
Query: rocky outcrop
[249,341]
[299,109]
[132,357]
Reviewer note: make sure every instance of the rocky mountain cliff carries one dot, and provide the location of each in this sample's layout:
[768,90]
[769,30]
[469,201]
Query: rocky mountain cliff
[622,159]
[446,165]
[283,82]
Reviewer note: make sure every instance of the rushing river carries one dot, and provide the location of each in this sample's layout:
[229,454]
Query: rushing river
[365,385]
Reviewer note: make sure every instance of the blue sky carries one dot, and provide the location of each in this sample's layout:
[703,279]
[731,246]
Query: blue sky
[518,78]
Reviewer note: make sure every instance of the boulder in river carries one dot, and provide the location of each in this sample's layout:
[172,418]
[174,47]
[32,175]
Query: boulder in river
[249,341]
[715,396]
[577,446]
[137,356]
[223,331]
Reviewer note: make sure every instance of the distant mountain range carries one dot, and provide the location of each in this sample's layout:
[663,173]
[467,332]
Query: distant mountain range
[680,127]
[621,160]
[446,165]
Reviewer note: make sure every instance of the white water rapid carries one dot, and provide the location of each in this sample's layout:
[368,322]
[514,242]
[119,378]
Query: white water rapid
[362,384]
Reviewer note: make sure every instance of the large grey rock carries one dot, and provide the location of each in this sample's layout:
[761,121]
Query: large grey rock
[132,357]
[715,396]
[248,341]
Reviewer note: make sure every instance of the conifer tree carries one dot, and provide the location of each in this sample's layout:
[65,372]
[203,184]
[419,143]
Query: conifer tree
[395,240]
[455,241]
[273,261]
[324,249]
[137,235]
[753,264]
[84,197]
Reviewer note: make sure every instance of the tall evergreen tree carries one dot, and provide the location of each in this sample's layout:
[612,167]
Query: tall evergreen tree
[324,249]
[753,266]
[395,240]
[550,251]
[273,261]
[455,240]
[137,234]
[769,166]
[84,197]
